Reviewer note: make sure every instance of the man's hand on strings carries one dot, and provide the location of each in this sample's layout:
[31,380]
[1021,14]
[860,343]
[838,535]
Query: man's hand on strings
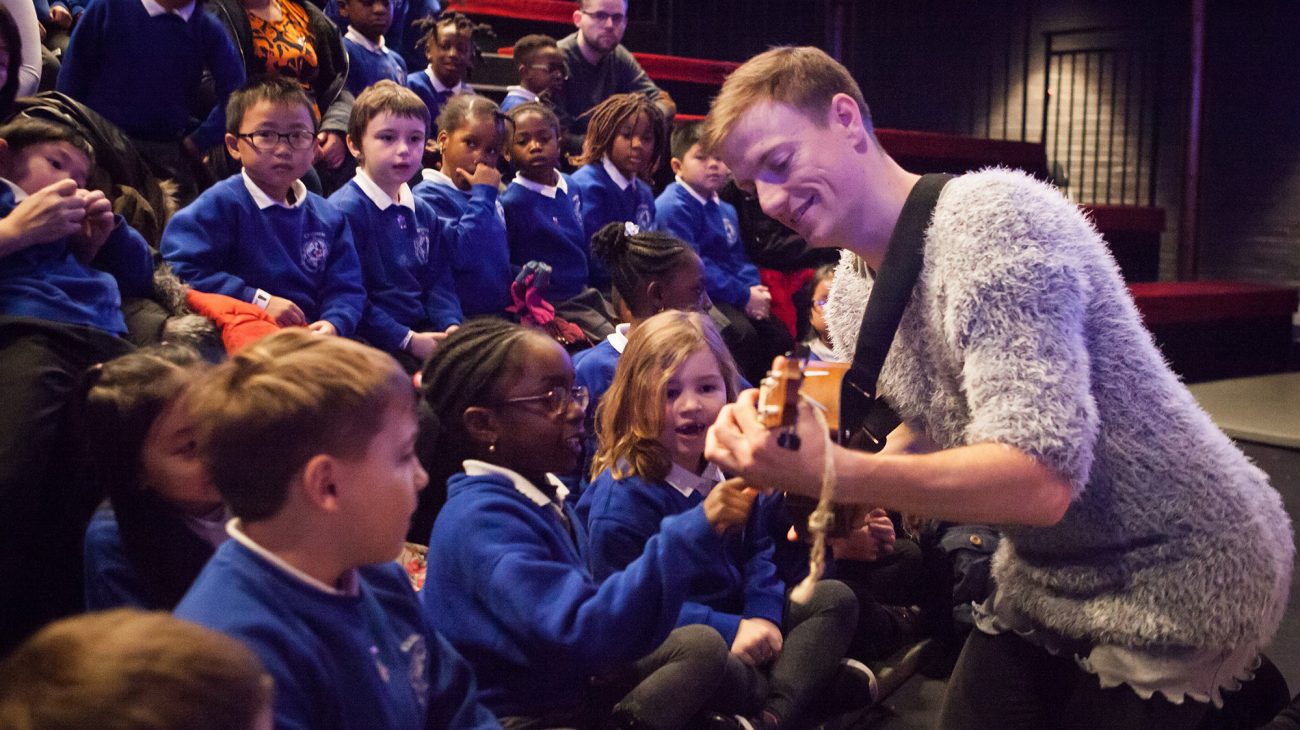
[740,444]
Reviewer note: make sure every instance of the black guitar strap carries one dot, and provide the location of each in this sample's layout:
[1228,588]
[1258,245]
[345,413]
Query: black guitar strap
[864,420]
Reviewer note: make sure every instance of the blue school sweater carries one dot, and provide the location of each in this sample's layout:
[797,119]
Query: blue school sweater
[406,259]
[367,660]
[46,281]
[367,65]
[110,579]
[547,226]
[623,514]
[509,587]
[422,83]
[141,72]
[480,255]
[516,95]
[223,243]
[714,231]
[604,201]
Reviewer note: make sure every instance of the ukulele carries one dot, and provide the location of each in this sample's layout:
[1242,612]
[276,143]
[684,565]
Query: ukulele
[778,399]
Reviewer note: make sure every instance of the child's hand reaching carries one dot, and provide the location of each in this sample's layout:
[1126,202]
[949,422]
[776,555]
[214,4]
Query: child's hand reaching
[285,313]
[758,641]
[871,539]
[45,216]
[323,327]
[95,227]
[759,305]
[483,175]
[424,344]
[728,505]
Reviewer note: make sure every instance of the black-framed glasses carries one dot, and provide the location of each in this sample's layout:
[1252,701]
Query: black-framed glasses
[265,140]
[557,399]
[552,68]
[600,16]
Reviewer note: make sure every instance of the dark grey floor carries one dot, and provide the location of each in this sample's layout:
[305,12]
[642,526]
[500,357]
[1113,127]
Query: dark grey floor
[916,704]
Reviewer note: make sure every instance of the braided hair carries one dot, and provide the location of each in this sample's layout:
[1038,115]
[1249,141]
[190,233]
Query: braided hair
[465,371]
[637,258]
[429,25]
[605,118]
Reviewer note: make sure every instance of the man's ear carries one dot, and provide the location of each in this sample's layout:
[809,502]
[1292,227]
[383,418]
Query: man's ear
[481,425]
[319,482]
[232,147]
[577,15]
[845,115]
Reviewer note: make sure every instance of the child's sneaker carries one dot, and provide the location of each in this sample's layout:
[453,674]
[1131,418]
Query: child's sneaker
[854,687]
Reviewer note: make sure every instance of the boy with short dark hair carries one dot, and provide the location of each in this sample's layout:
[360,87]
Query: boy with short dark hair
[310,441]
[369,57]
[65,263]
[542,72]
[405,248]
[259,235]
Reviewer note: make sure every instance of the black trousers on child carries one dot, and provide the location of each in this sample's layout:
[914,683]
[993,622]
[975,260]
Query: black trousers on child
[1007,683]
[44,506]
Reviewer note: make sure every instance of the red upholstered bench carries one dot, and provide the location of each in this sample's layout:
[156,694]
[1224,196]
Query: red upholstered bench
[546,11]
[672,68]
[1219,329]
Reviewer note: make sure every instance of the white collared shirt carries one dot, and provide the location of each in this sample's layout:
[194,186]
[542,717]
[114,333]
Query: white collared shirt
[264,201]
[547,190]
[476,468]
[437,177]
[347,581]
[355,36]
[379,197]
[461,88]
[696,195]
[154,9]
[522,93]
[614,173]
[684,481]
[618,338]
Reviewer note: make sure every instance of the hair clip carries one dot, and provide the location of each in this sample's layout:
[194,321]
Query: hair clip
[631,228]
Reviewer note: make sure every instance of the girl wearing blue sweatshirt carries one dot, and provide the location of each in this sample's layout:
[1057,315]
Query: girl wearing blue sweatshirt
[166,518]
[673,379]
[544,219]
[463,192]
[508,582]
[625,135]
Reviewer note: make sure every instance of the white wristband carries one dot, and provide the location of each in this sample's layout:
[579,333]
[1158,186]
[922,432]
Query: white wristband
[262,298]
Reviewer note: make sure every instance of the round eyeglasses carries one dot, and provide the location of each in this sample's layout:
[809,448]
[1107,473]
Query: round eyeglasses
[557,399]
[265,140]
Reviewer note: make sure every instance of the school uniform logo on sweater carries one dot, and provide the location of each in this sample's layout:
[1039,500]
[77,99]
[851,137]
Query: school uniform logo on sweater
[422,245]
[642,217]
[577,207]
[417,652]
[730,229]
[315,249]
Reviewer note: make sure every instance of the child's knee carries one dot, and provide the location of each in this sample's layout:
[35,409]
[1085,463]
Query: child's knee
[701,646]
[835,598]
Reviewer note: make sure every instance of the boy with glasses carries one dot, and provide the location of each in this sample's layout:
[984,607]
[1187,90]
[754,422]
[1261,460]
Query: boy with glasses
[260,236]
[542,73]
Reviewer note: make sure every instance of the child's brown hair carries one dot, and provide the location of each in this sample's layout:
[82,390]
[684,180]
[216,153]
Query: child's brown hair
[606,117]
[268,410]
[131,670]
[631,412]
[384,96]
[274,89]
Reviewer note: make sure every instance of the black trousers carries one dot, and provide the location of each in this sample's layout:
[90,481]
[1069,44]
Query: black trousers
[44,506]
[1007,683]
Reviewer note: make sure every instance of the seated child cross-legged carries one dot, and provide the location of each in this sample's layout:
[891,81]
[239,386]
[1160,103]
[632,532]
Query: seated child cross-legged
[259,235]
[65,263]
[404,247]
[544,219]
[621,150]
[691,210]
[464,193]
[673,379]
[311,442]
[166,520]
[508,582]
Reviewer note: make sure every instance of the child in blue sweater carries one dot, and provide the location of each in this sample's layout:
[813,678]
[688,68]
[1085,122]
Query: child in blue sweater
[404,247]
[166,518]
[673,379]
[140,64]
[310,441]
[508,582]
[66,262]
[369,57]
[625,135]
[448,43]
[544,219]
[259,235]
[463,192]
[542,72]
[691,210]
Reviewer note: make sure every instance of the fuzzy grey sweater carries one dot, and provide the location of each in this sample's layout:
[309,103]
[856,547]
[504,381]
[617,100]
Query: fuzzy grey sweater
[1021,332]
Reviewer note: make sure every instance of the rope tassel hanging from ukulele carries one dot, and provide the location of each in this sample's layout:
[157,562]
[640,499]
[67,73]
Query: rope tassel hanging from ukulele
[821,519]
